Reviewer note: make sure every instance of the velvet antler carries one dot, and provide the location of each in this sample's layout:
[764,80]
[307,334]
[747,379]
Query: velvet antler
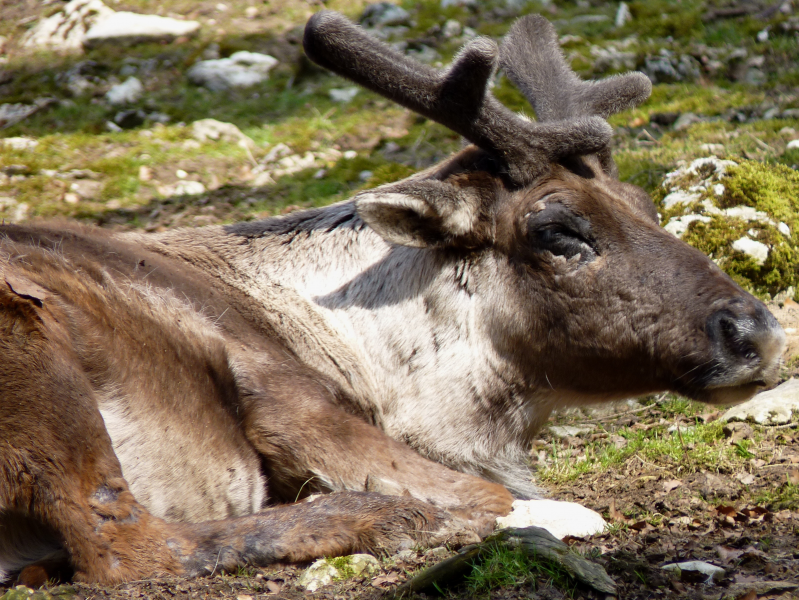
[457,97]
[532,59]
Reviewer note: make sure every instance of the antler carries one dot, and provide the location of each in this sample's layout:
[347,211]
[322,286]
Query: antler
[457,97]
[532,59]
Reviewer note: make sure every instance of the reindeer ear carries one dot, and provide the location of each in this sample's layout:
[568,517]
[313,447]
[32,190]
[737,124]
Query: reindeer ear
[422,214]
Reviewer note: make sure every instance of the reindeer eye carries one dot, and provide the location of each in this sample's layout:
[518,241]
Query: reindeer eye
[560,232]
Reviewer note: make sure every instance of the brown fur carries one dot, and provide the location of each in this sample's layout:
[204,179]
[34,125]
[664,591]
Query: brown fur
[399,350]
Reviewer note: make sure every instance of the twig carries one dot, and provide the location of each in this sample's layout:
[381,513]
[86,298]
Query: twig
[218,554]
[785,426]
[761,144]
[621,414]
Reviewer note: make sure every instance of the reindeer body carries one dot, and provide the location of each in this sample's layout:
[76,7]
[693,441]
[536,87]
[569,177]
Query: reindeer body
[159,393]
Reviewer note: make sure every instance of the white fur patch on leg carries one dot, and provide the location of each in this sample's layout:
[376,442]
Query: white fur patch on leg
[559,518]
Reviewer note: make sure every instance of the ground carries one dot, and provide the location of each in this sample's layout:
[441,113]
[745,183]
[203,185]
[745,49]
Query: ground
[674,483]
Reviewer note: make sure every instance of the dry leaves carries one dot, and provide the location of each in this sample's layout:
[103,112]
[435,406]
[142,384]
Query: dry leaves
[385,580]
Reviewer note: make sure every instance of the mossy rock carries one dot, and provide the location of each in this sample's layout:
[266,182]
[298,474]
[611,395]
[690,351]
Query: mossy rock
[772,189]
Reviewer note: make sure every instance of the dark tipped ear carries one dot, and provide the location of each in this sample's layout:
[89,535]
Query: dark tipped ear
[421,214]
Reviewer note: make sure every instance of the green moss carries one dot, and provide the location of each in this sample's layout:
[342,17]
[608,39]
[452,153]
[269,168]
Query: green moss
[342,564]
[667,19]
[388,173]
[769,188]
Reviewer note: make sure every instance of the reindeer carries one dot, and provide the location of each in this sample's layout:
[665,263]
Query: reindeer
[166,399]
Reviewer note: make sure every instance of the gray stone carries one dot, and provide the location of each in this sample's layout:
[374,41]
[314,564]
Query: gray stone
[382,14]
[773,407]
[451,29]
[241,69]
[206,130]
[14,113]
[130,28]
[562,431]
[712,571]
[127,92]
[685,120]
[129,119]
[343,95]
[559,518]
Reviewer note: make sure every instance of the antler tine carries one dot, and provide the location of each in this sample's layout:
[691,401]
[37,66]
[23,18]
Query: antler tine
[532,59]
[457,97]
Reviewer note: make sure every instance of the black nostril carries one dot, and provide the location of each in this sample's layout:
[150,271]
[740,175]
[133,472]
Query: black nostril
[733,334]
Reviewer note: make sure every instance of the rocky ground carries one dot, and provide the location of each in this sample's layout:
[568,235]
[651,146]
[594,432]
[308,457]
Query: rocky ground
[129,132]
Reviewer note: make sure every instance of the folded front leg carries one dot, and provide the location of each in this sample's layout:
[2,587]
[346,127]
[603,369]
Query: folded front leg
[312,445]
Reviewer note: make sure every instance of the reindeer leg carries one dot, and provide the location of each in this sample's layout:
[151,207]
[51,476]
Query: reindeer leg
[63,497]
[312,445]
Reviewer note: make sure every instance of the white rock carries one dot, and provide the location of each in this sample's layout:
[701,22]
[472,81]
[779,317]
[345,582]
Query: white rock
[322,572]
[623,15]
[128,27]
[66,29]
[747,213]
[20,212]
[712,571]
[768,408]
[679,197]
[792,144]
[319,574]
[127,92]
[241,69]
[344,95]
[679,225]
[718,189]
[183,188]
[757,250]
[451,29]
[784,229]
[212,130]
[559,518]
[562,431]
[20,143]
[450,3]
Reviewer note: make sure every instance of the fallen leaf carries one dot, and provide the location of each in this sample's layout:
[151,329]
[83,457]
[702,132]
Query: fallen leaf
[615,514]
[709,417]
[750,595]
[745,478]
[727,554]
[642,526]
[671,484]
[25,288]
[385,580]
[274,587]
[793,477]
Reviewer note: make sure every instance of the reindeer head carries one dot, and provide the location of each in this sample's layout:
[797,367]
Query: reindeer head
[585,293]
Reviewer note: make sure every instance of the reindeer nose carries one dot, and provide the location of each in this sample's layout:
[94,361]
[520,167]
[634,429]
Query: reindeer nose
[746,332]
